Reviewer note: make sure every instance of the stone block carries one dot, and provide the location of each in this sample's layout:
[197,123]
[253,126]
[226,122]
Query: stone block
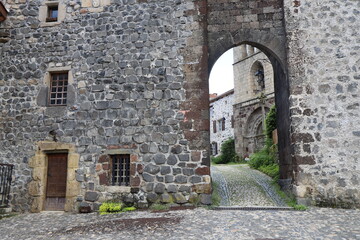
[195,179]
[73,160]
[35,188]
[194,198]
[159,188]
[165,198]
[185,188]
[135,181]
[202,171]
[202,188]
[181,179]
[171,160]
[169,179]
[91,196]
[171,188]
[37,204]
[159,158]
[165,170]
[72,188]
[205,199]
[147,177]
[179,198]
[152,197]
[152,169]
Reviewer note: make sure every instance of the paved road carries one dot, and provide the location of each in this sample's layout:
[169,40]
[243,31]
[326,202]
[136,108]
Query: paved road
[239,185]
[187,224]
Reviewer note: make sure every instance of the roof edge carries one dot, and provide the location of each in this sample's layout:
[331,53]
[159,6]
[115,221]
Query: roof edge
[225,94]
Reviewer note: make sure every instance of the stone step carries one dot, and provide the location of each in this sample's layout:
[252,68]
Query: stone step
[5,210]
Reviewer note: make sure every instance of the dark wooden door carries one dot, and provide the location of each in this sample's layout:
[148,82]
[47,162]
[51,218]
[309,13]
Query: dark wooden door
[56,182]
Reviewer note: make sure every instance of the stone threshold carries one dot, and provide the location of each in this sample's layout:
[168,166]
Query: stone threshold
[254,208]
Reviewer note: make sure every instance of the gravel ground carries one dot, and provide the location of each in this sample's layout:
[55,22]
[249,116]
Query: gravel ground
[239,185]
[199,223]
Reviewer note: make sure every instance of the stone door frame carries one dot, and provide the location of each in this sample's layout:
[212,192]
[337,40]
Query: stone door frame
[39,165]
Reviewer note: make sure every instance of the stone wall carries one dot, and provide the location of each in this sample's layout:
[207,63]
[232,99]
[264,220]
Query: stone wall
[129,64]
[140,83]
[323,65]
[221,108]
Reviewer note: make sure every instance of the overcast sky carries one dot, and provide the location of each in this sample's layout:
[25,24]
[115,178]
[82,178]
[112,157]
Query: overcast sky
[221,75]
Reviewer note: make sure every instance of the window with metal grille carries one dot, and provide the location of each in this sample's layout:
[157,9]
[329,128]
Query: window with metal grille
[121,170]
[58,89]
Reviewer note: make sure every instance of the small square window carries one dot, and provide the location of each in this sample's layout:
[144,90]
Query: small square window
[120,170]
[58,89]
[52,15]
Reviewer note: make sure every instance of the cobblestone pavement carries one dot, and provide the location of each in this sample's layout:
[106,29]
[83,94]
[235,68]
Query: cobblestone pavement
[239,185]
[199,223]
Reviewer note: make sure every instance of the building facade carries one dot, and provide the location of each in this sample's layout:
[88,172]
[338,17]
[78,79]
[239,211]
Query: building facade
[253,97]
[221,120]
[121,86]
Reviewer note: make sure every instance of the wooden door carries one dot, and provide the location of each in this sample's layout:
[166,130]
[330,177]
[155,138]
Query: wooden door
[56,182]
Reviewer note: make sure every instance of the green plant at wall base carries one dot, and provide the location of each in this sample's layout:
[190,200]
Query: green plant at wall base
[159,207]
[271,170]
[114,207]
[110,207]
[266,159]
[215,196]
[127,209]
[228,153]
[290,200]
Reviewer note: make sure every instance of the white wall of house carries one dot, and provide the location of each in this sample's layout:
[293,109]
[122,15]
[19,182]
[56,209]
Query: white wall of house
[221,109]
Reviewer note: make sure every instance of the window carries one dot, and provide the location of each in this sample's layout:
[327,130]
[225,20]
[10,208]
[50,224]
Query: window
[232,121]
[221,124]
[58,89]
[214,149]
[120,170]
[214,126]
[52,13]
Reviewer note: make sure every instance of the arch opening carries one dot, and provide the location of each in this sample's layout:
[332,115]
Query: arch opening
[267,76]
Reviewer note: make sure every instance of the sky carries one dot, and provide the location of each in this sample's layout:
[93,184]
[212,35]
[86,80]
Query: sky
[221,75]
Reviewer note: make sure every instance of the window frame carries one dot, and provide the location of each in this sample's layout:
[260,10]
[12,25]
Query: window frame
[63,92]
[50,10]
[124,178]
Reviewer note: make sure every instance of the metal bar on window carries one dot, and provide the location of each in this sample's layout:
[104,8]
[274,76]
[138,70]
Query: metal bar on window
[58,89]
[121,170]
[5,183]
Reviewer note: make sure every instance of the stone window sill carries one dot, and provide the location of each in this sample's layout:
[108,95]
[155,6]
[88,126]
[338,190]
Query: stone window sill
[49,24]
[118,189]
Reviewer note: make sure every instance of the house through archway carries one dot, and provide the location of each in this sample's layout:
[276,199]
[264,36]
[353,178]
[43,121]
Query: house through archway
[239,113]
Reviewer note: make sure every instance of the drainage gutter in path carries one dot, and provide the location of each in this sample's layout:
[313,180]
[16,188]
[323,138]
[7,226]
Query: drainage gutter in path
[254,208]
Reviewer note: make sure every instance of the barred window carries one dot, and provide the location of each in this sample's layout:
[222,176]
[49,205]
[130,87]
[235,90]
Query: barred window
[121,170]
[58,89]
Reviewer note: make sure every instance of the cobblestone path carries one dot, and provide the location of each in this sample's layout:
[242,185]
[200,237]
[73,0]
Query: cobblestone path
[196,224]
[239,185]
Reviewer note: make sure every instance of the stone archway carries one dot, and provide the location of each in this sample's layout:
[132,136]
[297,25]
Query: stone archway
[259,25]
[281,86]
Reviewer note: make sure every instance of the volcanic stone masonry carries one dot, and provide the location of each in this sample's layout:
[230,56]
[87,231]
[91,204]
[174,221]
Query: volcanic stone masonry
[137,75]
